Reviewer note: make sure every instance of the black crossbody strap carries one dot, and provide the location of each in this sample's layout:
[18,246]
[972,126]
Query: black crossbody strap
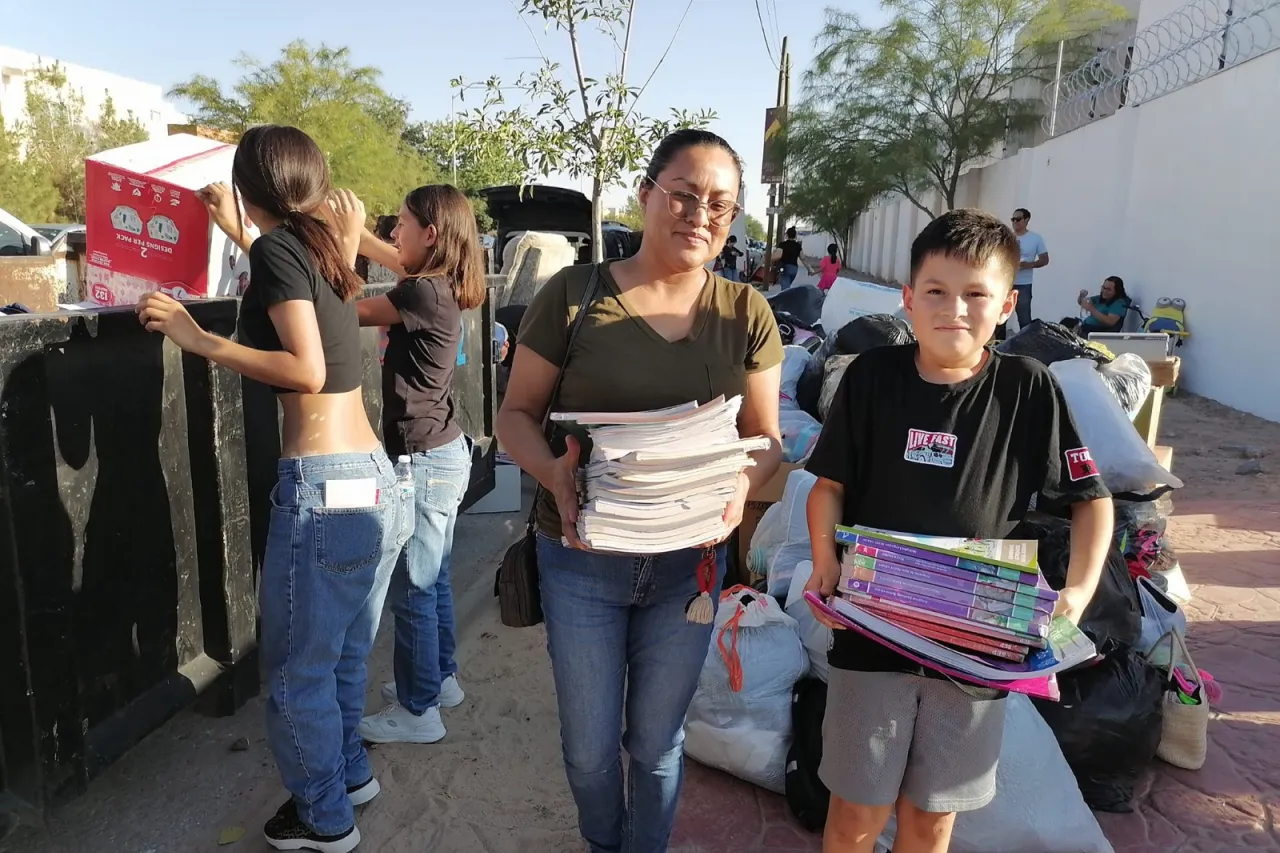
[588,296]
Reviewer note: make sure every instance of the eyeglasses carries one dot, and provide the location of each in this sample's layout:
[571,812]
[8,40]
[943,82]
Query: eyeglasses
[683,205]
[1016,218]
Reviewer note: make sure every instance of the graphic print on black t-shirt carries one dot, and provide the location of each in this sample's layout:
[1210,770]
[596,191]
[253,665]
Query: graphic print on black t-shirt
[931,448]
[946,460]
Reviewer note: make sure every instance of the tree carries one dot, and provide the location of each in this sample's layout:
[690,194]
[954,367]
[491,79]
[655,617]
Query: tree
[57,136]
[477,167]
[832,180]
[588,128]
[631,216]
[943,83]
[25,191]
[755,228]
[343,107]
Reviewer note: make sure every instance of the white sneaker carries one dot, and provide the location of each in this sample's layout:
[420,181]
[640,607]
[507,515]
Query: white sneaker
[394,724]
[451,694]
[359,795]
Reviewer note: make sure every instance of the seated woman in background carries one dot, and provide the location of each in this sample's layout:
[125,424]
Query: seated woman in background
[1106,311]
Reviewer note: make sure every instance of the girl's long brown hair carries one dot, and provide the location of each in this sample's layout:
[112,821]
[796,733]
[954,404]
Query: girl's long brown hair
[282,171]
[456,254]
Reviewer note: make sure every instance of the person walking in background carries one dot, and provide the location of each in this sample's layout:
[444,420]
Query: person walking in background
[337,518]
[1106,311]
[789,263]
[830,267]
[435,249]
[729,259]
[1034,256]
[660,330]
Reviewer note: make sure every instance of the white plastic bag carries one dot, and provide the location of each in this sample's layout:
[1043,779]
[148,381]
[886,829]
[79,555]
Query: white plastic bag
[1022,817]
[1160,615]
[800,431]
[815,636]
[740,718]
[849,299]
[794,360]
[1129,379]
[1124,460]
[781,538]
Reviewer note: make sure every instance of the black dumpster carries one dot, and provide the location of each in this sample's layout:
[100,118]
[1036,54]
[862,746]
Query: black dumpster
[133,510]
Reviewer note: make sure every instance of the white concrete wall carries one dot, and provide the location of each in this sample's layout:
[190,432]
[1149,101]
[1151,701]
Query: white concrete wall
[145,100]
[1177,197]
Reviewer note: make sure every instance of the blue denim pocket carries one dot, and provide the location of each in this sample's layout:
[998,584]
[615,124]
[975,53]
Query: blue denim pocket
[348,540]
[442,476]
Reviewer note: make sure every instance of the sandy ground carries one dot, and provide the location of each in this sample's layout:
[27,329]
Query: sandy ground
[495,784]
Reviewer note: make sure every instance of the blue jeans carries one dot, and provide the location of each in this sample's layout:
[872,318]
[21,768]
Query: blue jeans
[620,645]
[421,596]
[324,578]
[787,274]
[1023,308]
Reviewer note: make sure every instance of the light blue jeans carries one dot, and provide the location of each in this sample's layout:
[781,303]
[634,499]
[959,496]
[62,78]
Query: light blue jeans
[324,577]
[787,274]
[622,651]
[421,596]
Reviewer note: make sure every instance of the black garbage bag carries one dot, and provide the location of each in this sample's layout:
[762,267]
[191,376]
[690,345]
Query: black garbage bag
[1049,343]
[1108,725]
[807,797]
[1113,619]
[803,302]
[870,331]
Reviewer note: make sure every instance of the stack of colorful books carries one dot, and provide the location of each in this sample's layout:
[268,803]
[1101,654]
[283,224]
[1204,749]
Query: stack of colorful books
[984,596]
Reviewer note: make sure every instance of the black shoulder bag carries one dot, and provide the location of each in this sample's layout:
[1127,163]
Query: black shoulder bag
[516,586]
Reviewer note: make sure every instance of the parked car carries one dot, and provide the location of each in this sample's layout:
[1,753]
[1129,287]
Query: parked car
[17,238]
[553,210]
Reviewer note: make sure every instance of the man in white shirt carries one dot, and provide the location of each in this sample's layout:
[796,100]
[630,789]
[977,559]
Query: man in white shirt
[1034,256]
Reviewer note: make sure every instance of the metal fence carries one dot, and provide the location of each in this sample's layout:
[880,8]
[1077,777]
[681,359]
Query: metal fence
[1189,45]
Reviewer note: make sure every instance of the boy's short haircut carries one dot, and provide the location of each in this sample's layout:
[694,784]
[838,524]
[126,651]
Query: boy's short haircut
[968,235]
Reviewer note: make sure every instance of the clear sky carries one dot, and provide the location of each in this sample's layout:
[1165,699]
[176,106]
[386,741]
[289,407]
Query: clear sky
[718,60]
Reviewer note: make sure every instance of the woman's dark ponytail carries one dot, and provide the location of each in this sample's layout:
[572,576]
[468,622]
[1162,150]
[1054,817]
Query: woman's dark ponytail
[282,171]
[833,251]
[326,253]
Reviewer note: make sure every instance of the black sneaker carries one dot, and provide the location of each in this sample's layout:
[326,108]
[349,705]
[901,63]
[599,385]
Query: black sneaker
[361,794]
[286,831]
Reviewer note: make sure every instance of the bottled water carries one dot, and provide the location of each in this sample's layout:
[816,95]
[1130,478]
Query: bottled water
[404,477]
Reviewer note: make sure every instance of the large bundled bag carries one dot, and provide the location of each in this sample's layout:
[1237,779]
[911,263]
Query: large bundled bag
[848,300]
[1049,343]
[802,303]
[816,637]
[833,373]
[740,717]
[1113,619]
[1025,817]
[781,537]
[853,338]
[1126,463]
[1108,724]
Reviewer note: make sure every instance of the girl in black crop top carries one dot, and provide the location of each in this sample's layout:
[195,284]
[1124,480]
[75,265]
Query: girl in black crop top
[437,253]
[337,519]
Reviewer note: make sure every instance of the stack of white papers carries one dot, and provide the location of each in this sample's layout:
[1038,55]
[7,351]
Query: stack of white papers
[660,481]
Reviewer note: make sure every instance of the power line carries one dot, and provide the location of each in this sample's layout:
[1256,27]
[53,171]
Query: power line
[764,35]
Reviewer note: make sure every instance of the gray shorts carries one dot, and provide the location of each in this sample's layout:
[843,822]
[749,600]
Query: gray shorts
[891,733]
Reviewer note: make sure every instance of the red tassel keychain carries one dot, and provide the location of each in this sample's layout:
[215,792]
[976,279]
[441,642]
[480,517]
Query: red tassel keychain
[701,609]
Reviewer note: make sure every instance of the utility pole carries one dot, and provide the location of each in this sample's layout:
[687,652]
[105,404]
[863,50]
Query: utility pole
[785,101]
[775,226]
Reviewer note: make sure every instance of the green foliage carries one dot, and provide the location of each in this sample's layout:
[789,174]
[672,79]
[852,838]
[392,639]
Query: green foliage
[587,126]
[57,137]
[941,85]
[25,191]
[477,167]
[631,215]
[343,107]
[755,228]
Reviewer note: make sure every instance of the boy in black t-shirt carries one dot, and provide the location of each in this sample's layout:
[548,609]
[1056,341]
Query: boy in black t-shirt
[729,259]
[948,438]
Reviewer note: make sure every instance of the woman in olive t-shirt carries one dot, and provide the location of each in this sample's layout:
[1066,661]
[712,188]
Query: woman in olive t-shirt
[661,330]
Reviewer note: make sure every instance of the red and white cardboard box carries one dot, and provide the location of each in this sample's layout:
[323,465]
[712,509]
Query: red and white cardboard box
[147,230]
